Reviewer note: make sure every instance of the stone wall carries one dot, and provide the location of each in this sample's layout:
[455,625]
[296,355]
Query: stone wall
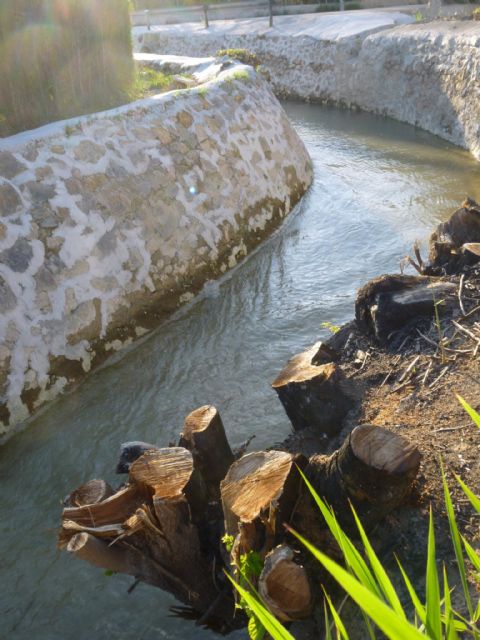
[423,74]
[110,222]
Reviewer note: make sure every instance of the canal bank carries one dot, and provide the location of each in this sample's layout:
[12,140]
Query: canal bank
[427,75]
[110,222]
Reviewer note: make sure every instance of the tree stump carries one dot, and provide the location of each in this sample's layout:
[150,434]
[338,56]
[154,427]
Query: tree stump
[261,487]
[313,395]
[373,470]
[91,492]
[284,585]
[204,436]
[391,302]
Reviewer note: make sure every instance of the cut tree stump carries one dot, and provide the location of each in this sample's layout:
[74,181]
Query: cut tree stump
[204,436]
[169,473]
[446,243]
[313,395]
[284,585]
[262,486]
[389,303]
[91,492]
[374,469]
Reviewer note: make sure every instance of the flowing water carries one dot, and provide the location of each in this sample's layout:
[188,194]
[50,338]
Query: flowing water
[379,185]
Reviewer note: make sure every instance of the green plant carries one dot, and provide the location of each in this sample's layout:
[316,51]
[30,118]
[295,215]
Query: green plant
[333,328]
[242,55]
[366,581]
[418,16]
[246,572]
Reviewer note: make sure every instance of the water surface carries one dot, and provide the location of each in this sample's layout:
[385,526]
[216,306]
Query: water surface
[378,186]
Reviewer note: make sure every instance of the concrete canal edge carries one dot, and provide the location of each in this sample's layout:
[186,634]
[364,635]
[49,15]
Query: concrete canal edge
[379,61]
[110,222]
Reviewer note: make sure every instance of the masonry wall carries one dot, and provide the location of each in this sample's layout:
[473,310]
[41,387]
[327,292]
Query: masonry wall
[427,75]
[108,223]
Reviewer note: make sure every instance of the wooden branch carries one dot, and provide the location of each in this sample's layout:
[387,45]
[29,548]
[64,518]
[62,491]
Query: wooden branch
[313,395]
[284,585]
[204,436]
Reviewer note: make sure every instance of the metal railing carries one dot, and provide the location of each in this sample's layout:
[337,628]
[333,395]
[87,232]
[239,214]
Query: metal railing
[207,11]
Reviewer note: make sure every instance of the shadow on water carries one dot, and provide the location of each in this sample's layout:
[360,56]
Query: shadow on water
[378,186]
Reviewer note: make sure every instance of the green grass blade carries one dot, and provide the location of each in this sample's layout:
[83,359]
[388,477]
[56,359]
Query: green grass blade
[475,500]
[392,625]
[271,624]
[328,631]
[472,555]
[433,620]
[381,576]
[340,627]
[352,557]
[470,410]
[450,631]
[419,607]
[455,537]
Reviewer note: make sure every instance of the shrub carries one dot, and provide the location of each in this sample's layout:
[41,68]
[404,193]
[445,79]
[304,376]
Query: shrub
[61,58]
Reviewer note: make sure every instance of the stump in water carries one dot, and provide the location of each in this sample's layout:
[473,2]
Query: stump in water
[261,487]
[148,529]
[204,435]
[390,302]
[284,585]
[161,529]
[374,469]
[313,395]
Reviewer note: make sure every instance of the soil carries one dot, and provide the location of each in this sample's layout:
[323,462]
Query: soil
[410,387]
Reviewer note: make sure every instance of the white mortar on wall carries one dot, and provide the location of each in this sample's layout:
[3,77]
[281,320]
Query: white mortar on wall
[110,222]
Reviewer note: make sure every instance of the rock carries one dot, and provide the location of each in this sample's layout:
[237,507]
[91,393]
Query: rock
[446,244]
[9,200]
[129,452]
[390,302]
[184,118]
[313,395]
[9,165]
[18,256]
[89,152]
[8,300]
[41,192]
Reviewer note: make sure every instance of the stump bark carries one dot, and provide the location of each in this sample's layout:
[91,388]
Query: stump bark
[204,436]
[314,393]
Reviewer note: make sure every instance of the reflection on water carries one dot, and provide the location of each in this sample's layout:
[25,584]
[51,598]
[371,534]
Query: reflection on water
[378,186]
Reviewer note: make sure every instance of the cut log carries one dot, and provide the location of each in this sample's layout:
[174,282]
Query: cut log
[313,395]
[204,436]
[374,469]
[391,302]
[284,585]
[131,451]
[99,553]
[446,242]
[91,492]
[169,473]
[263,485]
